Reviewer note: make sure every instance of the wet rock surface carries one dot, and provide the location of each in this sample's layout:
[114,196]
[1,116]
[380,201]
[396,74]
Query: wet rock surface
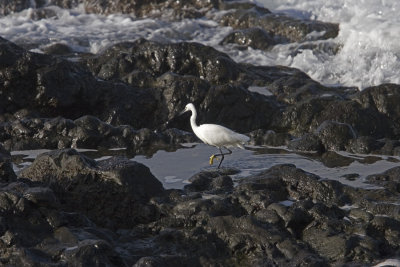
[115,188]
[6,171]
[66,212]
[87,132]
[68,209]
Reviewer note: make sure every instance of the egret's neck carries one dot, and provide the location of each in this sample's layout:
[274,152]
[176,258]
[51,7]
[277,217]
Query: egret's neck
[193,119]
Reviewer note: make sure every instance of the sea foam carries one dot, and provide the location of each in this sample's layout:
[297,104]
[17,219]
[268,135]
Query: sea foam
[369,41]
[368,44]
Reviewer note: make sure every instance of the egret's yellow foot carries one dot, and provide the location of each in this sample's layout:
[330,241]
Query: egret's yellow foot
[212,159]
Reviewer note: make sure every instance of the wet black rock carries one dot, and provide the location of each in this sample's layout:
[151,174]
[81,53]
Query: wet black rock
[332,159]
[215,181]
[307,116]
[6,170]
[363,145]
[334,135]
[12,6]
[62,88]
[179,9]
[254,37]
[42,13]
[308,142]
[111,192]
[296,87]
[279,25]
[157,58]
[351,176]
[389,179]
[384,99]
[58,49]
[87,132]
[303,185]
[190,72]
[171,75]
[35,232]
[269,138]
[282,216]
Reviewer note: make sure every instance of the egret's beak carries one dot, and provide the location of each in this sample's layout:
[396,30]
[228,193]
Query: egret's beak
[175,117]
[183,111]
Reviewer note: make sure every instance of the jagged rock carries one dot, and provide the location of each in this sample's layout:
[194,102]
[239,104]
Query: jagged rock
[6,170]
[111,192]
[389,179]
[64,88]
[187,9]
[254,37]
[282,26]
[269,138]
[274,218]
[308,115]
[156,58]
[87,132]
[332,159]
[211,181]
[363,145]
[58,49]
[308,142]
[335,135]
[384,99]
[11,6]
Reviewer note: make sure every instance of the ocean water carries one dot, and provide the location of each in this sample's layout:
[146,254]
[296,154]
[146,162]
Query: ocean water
[174,169]
[369,37]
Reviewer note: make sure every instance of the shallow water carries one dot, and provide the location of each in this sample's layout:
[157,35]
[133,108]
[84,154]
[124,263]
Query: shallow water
[369,37]
[174,169]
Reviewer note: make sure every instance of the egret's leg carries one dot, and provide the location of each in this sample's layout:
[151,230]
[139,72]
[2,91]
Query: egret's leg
[222,155]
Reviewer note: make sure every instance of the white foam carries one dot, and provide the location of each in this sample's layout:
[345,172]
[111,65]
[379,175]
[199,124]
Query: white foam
[172,179]
[369,37]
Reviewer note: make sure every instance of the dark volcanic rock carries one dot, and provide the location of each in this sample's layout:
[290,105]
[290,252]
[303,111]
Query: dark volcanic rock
[389,179]
[309,115]
[156,58]
[302,185]
[254,37]
[64,88]
[87,132]
[34,232]
[384,98]
[281,217]
[6,170]
[12,6]
[282,26]
[308,142]
[269,138]
[112,192]
[215,181]
[333,160]
[190,72]
[58,49]
[180,9]
[334,135]
[363,145]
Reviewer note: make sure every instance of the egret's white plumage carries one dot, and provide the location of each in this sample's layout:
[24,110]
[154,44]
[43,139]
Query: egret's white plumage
[215,135]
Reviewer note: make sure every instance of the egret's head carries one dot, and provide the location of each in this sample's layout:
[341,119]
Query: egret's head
[188,107]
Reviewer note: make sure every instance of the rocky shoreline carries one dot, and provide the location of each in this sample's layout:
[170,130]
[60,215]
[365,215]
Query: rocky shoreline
[67,209]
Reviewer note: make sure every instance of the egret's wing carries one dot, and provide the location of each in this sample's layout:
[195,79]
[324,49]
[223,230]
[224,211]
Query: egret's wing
[218,135]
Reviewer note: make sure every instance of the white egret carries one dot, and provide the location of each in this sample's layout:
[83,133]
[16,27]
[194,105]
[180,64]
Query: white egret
[215,135]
